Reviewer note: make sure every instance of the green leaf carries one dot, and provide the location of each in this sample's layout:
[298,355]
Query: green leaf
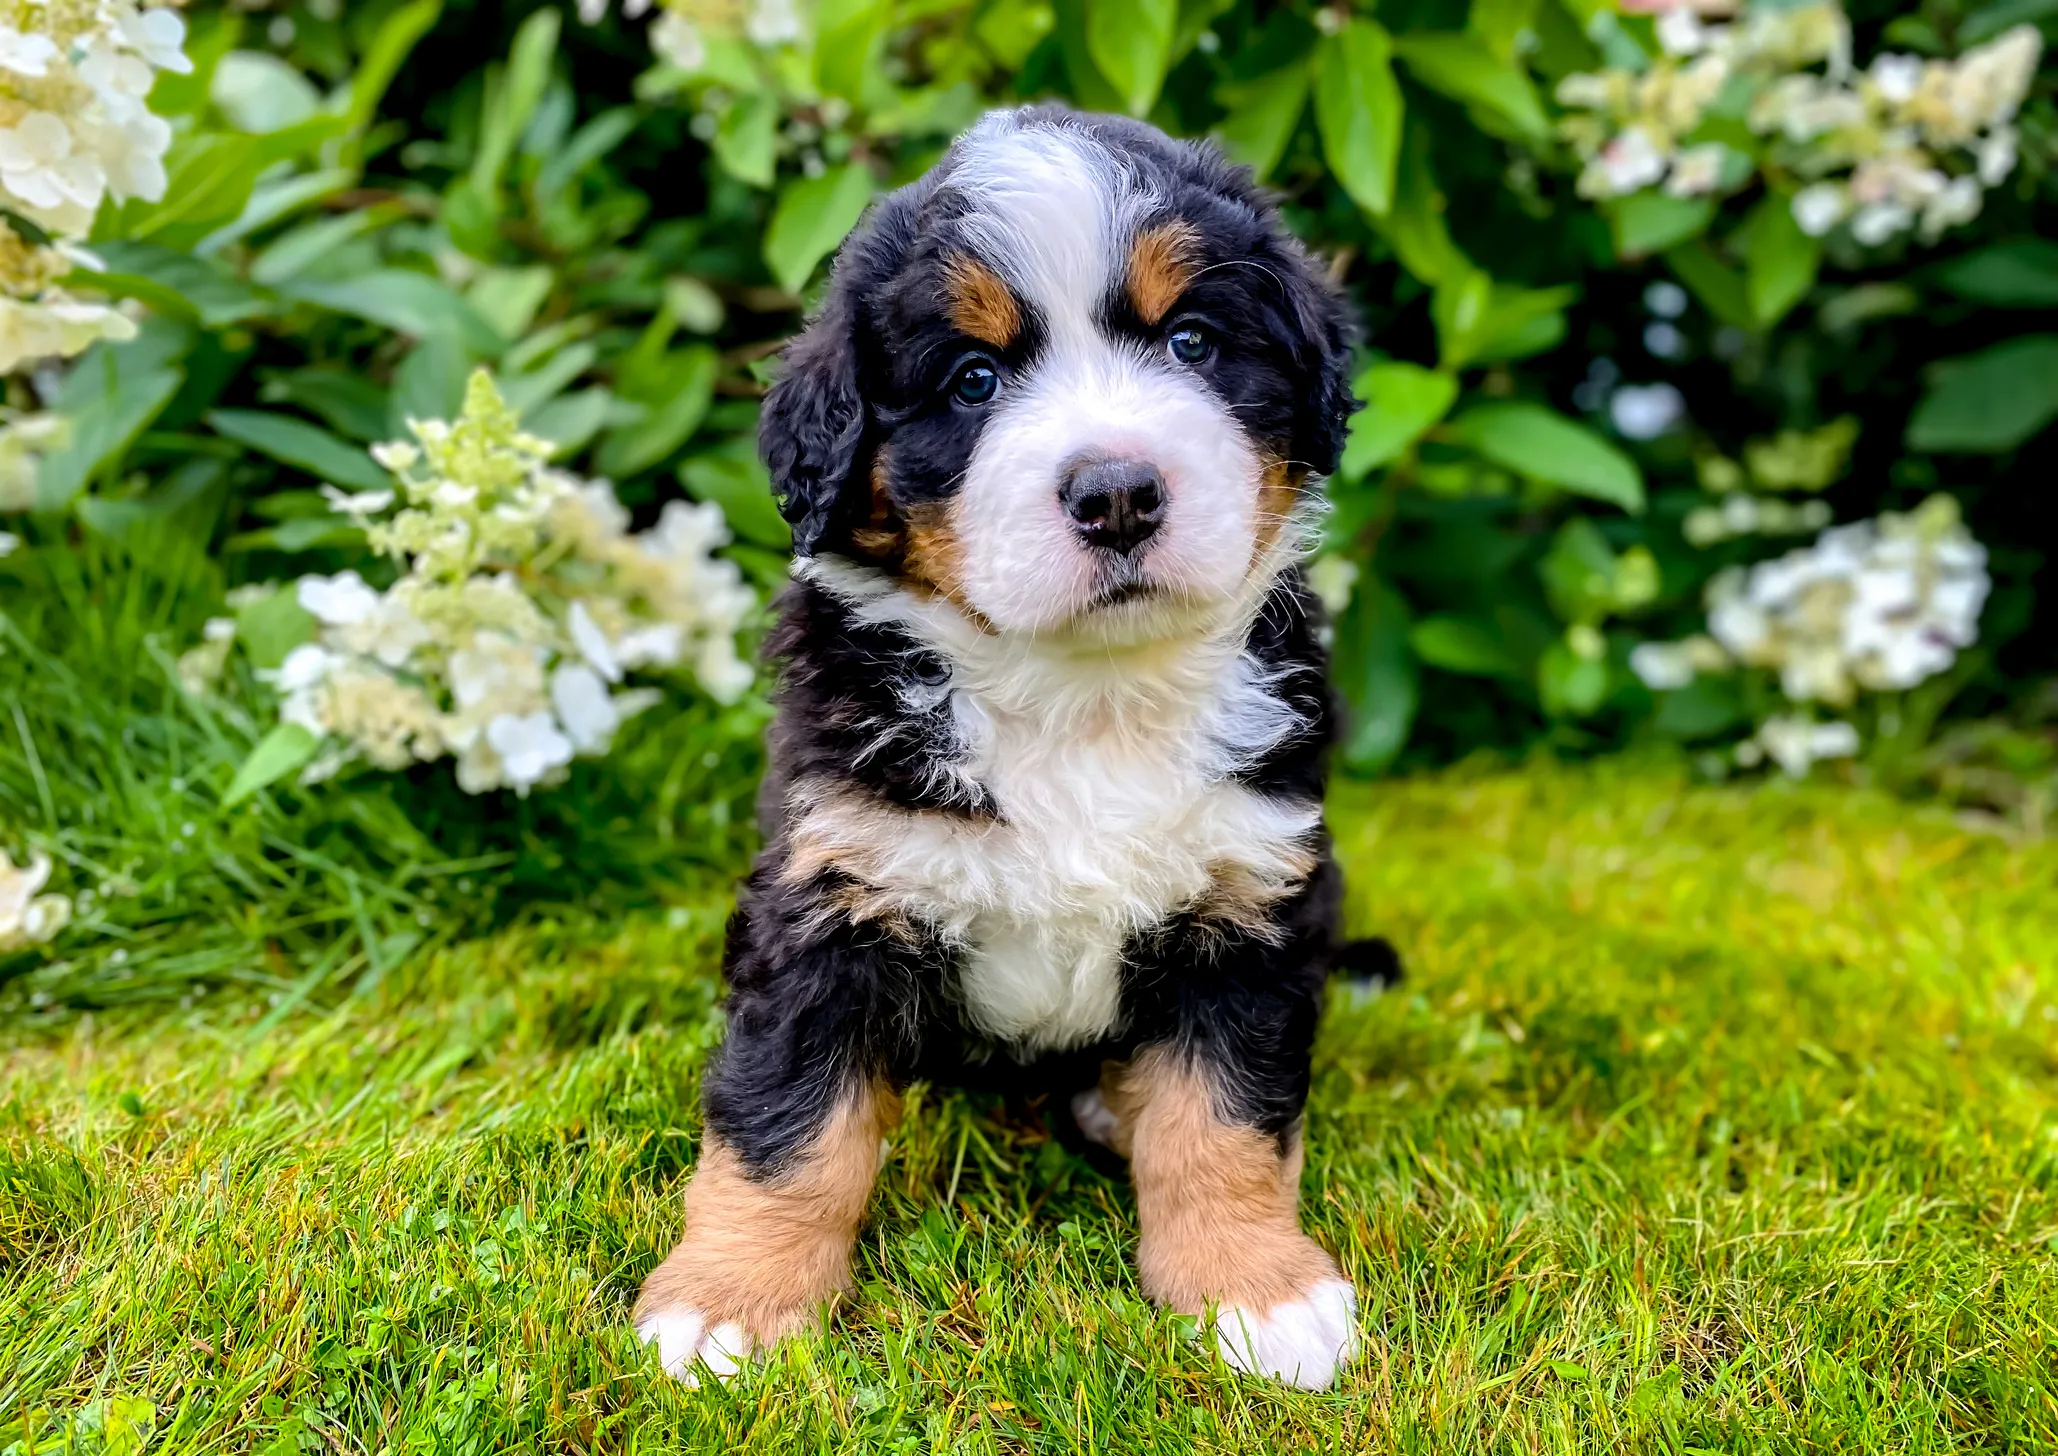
[284,750]
[1478,318]
[1578,572]
[735,481]
[2021,274]
[1358,106]
[1569,685]
[1131,44]
[527,390]
[587,146]
[1375,671]
[1704,707]
[348,402]
[1651,221]
[1402,402]
[301,248]
[507,298]
[1989,402]
[509,105]
[210,177]
[1720,288]
[571,420]
[1990,20]
[1261,116]
[407,302]
[429,384]
[746,140]
[395,38]
[258,92]
[670,417]
[1544,445]
[813,216]
[1416,226]
[1090,89]
[1461,645]
[1779,260]
[174,283]
[1464,69]
[108,398]
[847,38]
[297,443]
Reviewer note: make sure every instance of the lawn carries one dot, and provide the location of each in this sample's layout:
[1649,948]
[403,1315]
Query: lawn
[1708,1118]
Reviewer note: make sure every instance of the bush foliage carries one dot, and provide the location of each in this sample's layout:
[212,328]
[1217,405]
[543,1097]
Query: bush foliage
[1588,394]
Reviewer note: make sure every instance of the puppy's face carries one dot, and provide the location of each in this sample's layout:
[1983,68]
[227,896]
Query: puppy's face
[1074,381]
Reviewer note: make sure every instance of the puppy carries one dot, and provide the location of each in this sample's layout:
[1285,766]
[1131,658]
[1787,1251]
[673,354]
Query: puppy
[1046,779]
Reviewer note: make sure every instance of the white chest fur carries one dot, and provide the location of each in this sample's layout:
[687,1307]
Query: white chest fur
[1116,809]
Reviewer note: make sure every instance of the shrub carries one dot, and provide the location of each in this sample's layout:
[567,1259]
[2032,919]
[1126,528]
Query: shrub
[1648,300]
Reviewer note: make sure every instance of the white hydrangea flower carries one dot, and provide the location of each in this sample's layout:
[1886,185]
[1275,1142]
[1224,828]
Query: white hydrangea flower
[1820,206]
[26,917]
[1906,144]
[1798,744]
[1668,666]
[23,440]
[1880,605]
[678,41]
[75,129]
[522,602]
[530,748]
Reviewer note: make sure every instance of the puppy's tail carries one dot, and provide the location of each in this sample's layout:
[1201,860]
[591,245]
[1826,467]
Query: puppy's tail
[1368,965]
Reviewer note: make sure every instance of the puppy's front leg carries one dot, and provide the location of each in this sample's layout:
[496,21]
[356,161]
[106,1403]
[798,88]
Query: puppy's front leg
[1218,1201]
[795,1117]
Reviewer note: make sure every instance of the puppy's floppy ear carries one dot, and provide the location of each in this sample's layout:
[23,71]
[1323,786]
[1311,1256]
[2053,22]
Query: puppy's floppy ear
[813,422]
[1323,353]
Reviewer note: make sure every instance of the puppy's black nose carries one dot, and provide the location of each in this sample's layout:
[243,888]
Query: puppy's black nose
[1118,504]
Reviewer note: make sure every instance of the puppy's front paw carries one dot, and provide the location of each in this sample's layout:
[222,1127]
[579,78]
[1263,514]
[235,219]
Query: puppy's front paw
[688,1345]
[1303,1341]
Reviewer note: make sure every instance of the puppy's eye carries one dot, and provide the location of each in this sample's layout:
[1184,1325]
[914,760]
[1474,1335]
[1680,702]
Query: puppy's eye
[1189,344]
[976,383]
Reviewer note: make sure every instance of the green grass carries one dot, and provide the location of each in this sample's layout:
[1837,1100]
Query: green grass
[1709,1118]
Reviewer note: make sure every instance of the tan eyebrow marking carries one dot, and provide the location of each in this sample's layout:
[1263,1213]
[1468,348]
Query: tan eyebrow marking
[1162,262]
[978,303]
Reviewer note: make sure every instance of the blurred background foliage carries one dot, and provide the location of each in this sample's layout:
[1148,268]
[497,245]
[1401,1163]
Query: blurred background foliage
[622,217]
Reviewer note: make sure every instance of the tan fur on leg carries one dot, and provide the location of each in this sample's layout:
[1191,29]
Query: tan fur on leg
[1221,1232]
[1218,1203]
[764,1255]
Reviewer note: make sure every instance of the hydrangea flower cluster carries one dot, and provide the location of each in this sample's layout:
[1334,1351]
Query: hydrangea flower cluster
[74,130]
[679,33]
[522,605]
[26,917]
[1878,606]
[1906,143]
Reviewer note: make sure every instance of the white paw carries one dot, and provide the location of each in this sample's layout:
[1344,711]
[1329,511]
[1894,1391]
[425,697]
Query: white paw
[687,1346]
[1304,1341]
[1095,1119]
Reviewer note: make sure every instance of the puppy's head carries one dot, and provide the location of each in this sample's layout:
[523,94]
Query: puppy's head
[1072,380]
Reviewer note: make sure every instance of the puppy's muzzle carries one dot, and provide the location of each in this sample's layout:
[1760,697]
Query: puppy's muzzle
[1115,505]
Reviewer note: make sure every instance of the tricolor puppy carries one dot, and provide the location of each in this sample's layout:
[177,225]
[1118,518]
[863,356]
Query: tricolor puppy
[1046,783]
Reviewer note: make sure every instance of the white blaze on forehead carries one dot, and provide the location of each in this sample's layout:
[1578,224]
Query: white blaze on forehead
[1054,211]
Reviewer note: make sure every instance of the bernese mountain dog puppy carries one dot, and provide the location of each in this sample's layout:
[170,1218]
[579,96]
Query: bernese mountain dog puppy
[1045,785]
